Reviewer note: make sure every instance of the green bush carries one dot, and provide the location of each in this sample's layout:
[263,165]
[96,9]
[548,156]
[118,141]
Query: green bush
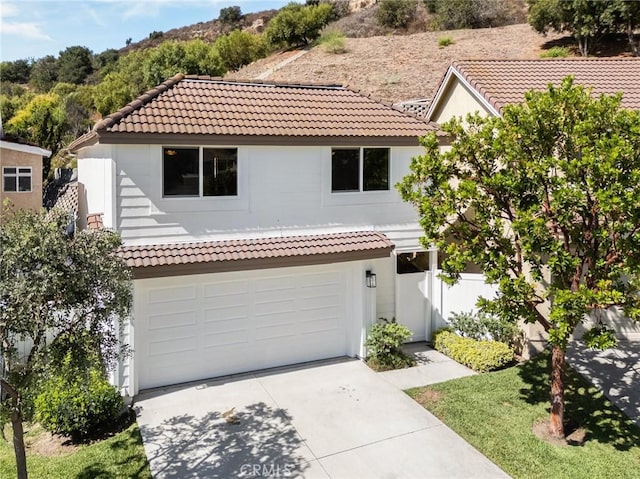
[555,52]
[455,14]
[445,41]
[484,326]
[240,48]
[77,402]
[230,15]
[396,13]
[333,42]
[297,25]
[481,356]
[383,346]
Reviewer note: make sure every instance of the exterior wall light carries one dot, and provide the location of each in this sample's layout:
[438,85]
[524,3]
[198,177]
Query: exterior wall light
[371,279]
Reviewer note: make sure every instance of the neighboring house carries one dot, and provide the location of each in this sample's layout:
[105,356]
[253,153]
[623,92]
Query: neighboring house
[486,86]
[21,170]
[261,222]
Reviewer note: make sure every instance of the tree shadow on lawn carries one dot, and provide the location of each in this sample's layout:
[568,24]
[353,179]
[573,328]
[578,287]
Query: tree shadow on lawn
[260,442]
[585,405]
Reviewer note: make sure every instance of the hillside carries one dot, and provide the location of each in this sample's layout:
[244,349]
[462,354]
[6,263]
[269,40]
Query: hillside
[397,68]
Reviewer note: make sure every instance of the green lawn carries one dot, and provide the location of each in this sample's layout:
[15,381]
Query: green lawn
[120,456]
[495,412]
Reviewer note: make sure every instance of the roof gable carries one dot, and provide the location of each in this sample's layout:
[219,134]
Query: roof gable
[497,83]
[195,105]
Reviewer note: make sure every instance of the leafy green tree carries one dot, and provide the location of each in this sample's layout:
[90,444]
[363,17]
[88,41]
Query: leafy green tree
[230,15]
[42,122]
[44,73]
[396,13]
[54,284]
[297,25]
[75,64]
[17,71]
[545,200]
[456,14]
[628,20]
[106,59]
[586,20]
[239,48]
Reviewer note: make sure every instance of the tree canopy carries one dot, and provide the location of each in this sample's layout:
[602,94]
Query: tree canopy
[56,291]
[545,200]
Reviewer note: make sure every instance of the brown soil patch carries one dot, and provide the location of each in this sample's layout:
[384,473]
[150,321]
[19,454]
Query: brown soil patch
[575,436]
[397,68]
[429,396]
[49,445]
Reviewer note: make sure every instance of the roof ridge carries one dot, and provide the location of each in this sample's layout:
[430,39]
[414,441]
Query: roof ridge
[141,100]
[258,82]
[568,59]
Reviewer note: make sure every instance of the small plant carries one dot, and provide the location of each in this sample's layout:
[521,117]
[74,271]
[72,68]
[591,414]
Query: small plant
[154,35]
[333,42]
[481,356]
[555,52]
[384,346]
[445,42]
[77,402]
[484,326]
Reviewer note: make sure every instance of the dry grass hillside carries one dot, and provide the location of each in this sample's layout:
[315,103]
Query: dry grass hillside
[397,68]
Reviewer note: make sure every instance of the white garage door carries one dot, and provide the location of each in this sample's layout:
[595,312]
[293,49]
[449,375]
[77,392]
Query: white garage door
[202,326]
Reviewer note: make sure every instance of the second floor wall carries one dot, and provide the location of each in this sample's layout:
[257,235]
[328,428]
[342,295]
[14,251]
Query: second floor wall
[169,193]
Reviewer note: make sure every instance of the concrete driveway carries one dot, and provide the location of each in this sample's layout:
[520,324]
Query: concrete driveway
[335,419]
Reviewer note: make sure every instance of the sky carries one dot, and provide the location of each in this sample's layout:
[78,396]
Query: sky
[33,29]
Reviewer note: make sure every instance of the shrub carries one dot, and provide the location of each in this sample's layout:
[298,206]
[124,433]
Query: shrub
[383,345]
[396,13]
[230,15]
[77,402]
[455,14]
[297,25]
[445,41]
[240,48]
[484,326]
[333,42]
[555,52]
[481,356]
[154,35]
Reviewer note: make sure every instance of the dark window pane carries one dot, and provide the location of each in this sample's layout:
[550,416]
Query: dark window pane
[9,183]
[24,183]
[24,170]
[180,170]
[345,170]
[9,171]
[413,262]
[375,163]
[220,172]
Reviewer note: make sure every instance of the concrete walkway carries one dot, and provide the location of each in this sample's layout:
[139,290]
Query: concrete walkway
[335,419]
[615,371]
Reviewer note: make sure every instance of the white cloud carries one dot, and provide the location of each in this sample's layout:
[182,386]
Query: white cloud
[95,16]
[8,10]
[28,30]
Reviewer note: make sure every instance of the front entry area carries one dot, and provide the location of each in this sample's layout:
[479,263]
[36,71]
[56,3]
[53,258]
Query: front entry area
[208,325]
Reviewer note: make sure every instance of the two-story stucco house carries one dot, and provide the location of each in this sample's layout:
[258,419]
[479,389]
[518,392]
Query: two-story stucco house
[21,170]
[486,86]
[261,221]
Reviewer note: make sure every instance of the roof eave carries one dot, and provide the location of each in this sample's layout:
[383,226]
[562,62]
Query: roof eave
[34,150]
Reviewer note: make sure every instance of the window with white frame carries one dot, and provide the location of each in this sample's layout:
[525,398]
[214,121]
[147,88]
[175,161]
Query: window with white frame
[196,172]
[359,169]
[16,179]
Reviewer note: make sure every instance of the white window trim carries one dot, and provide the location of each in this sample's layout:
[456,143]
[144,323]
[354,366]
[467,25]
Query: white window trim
[161,205]
[361,170]
[17,175]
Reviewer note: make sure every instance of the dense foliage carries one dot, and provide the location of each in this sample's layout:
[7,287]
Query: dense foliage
[384,345]
[396,13]
[483,326]
[297,25]
[57,291]
[480,355]
[545,200]
[587,21]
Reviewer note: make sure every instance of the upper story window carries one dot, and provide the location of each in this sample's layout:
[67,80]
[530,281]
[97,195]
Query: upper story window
[199,172]
[16,178]
[359,169]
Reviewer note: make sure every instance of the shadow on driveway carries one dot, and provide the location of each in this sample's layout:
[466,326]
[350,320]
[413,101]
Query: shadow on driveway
[261,443]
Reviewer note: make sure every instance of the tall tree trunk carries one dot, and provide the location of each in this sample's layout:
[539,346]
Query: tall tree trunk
[9,394]
[556,425]
[18,443]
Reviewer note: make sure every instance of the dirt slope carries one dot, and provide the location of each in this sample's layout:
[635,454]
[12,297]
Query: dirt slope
[397,68]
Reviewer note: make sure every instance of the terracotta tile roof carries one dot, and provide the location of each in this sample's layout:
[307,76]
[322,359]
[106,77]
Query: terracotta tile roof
[198,105]
[94,221]
[324,245]
[503,82]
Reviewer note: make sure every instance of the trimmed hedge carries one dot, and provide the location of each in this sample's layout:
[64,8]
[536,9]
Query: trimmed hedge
[481,356]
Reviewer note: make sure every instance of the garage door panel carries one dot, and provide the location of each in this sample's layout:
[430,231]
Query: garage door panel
[220,324]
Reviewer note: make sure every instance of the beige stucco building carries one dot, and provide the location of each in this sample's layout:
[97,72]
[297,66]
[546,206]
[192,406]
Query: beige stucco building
[21,170]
